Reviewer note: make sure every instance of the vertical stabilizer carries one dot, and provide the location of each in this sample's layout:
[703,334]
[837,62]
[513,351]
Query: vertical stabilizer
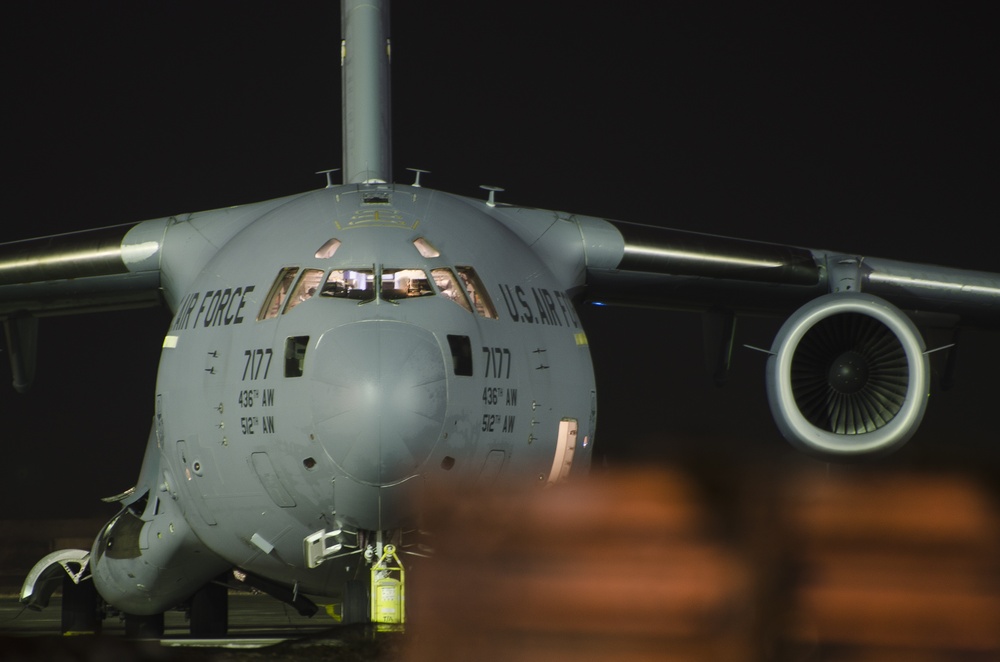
[367,118]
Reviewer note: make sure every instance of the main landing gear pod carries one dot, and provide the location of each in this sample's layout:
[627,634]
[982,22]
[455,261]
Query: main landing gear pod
[848,375]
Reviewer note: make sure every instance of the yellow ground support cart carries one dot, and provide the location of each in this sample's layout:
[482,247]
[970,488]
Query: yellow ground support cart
[388,601]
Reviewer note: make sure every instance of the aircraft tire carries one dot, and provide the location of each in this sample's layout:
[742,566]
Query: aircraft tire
[143,627]
[210,611]
[356,610]
[80,607]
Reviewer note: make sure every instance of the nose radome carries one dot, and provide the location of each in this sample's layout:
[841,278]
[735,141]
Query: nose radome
[379,398]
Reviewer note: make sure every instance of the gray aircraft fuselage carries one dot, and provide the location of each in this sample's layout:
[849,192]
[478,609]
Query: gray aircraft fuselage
[285,411]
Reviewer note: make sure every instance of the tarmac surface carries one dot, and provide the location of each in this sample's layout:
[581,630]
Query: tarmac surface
[261,628]
[832,565]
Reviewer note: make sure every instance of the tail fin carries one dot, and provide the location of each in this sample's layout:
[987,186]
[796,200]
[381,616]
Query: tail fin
[367,116]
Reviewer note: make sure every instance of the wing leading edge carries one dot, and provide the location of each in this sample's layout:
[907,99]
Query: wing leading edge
[620,263]
[135,265]
[674,268]
[848,372]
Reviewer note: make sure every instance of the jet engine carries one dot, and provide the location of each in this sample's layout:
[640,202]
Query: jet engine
[848,375]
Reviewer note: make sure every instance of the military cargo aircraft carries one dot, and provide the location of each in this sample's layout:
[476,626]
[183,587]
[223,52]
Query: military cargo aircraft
[334,355]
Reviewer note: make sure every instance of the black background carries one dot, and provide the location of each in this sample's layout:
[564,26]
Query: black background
[862,127]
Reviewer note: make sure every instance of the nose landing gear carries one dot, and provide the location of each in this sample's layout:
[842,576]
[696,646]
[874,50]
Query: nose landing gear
[381,601]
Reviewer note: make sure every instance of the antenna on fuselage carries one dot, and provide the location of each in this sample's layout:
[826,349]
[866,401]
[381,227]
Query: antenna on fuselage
[364,67]
[491,202]
[416,182]
[329,180]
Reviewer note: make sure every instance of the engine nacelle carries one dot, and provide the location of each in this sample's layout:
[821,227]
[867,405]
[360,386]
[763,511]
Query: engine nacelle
[848,375]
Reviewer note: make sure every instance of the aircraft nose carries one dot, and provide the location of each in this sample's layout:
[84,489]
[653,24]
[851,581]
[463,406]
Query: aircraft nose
[379,399]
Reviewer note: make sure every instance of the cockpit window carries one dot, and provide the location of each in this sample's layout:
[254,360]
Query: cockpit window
[425,248]
[293,285]
[306,287]
[447,282]
[358,284]
[295,355]
[477,293]
[328,249]
[405,283]
[279,292]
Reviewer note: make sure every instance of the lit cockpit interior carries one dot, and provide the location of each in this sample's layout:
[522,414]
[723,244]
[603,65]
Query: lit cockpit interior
[460,284]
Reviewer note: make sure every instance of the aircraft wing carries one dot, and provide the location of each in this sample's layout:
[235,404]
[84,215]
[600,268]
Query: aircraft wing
[619,263]
[124,266]
[699,271]
[79,272]
[848,372]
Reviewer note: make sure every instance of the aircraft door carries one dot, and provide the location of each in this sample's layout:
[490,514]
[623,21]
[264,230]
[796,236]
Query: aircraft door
[192,477]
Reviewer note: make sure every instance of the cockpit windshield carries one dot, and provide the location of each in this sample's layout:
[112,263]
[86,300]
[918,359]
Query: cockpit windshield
[350,284]
[405,283]
[362,284]
[294,285]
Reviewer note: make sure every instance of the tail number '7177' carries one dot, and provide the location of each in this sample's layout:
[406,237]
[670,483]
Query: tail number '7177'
[497,362]
[257,361]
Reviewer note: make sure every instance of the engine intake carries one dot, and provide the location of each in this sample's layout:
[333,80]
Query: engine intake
[848,375]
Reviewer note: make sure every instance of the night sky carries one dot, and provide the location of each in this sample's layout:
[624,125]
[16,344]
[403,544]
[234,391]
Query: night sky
[860,127]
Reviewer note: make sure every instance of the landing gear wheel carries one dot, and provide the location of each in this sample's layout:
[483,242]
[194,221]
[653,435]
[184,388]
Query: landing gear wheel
[356,609]
[143,627]
[80,607]
[210,611]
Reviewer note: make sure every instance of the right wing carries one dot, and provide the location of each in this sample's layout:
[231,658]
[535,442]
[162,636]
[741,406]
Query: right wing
[126,266]
[848,372]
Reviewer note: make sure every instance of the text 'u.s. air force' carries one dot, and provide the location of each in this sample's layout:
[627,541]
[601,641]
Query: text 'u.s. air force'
[537,305]
[217,308]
